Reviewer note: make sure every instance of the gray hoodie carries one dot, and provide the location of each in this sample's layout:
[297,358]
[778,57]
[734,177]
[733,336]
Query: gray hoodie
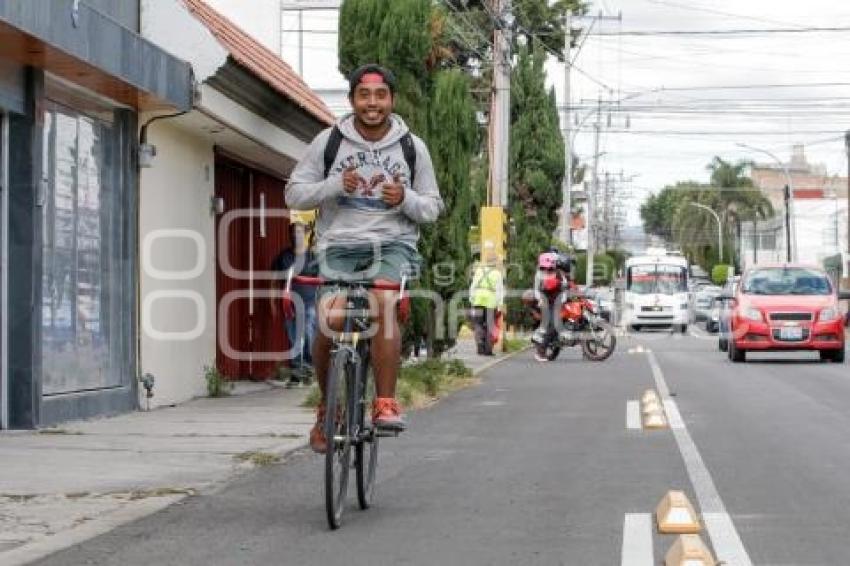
[362,217]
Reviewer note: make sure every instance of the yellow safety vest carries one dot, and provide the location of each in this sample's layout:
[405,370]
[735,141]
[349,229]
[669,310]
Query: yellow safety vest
[485,282]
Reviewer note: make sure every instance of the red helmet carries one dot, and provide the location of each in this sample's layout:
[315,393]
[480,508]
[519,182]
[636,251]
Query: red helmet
[547,260]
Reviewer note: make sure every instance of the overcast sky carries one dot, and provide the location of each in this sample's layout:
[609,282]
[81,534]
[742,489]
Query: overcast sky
[677,121]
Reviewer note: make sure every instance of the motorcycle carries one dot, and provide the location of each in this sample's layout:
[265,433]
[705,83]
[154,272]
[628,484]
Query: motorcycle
[578,323]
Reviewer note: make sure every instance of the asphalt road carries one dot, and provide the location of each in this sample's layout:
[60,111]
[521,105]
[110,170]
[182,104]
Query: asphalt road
[536,466]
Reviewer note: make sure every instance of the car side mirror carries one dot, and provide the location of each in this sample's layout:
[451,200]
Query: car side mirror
[844,295]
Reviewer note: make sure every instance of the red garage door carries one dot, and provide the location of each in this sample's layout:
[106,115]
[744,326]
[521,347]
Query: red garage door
[253,236]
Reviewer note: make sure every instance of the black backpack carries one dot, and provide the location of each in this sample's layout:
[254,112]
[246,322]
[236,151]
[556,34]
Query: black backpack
[335,139]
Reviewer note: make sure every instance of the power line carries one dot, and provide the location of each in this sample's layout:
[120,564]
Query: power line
[719,12]
[722,132]
[644,56]
[722,32]
[751,86]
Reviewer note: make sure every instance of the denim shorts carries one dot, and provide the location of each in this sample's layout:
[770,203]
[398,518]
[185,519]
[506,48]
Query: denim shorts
[388,260]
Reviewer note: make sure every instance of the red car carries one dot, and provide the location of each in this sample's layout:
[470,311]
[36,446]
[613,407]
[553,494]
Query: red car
[786,307]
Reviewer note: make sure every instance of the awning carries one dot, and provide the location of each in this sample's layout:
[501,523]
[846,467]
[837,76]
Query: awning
[89,49]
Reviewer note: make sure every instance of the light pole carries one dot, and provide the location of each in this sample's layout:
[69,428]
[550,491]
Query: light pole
[791,229]
[719,225]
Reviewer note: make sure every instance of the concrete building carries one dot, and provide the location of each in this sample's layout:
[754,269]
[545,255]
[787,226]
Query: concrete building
[74,78]
[820,213]
[110,264]
[211,204]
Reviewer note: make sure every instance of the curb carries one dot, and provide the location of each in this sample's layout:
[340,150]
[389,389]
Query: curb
[33,551]
[499,360]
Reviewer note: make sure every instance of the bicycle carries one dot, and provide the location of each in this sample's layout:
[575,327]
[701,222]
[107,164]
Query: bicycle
[347,399]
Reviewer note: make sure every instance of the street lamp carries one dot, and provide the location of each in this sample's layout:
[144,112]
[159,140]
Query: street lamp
[791,229]
[719,226]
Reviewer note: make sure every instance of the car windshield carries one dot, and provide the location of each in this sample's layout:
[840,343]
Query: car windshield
[786,281]
[663,279]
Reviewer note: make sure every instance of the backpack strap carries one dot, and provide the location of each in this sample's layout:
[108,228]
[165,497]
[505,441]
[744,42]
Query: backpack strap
[331,149]
[409,150]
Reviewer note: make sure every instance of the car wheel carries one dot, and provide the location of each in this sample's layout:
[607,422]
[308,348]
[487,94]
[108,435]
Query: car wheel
[683,328]
[836,356]
[635,328]
[735,354]
[722,344]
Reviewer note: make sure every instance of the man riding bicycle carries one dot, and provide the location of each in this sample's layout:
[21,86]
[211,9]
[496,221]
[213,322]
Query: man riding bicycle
[373,183]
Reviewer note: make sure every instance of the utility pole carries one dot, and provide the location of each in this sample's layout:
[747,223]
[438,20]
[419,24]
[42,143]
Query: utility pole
[591,209]
[606,214]
[500,121]
[787,198]
[846,268]
[567,185]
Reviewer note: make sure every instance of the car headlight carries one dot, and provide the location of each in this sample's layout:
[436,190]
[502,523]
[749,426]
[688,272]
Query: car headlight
[751,313]
[829,314]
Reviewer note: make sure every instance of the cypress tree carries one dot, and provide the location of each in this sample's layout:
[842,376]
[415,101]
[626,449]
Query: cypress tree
[453,141]
[436,102]
[536,170]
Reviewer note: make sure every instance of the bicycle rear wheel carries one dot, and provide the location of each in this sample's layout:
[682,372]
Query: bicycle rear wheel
[338,427]
[366,451]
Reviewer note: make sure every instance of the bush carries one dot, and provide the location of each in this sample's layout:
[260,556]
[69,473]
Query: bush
[217,385]
[515,344]
[420,383]
[720,273]
[604,269]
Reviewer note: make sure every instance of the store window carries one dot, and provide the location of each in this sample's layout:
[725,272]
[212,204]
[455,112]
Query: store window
[84,281]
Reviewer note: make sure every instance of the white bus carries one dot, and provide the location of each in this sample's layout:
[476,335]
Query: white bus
[656,291]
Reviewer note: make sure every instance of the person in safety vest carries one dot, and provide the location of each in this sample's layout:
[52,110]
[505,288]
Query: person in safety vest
[486,294]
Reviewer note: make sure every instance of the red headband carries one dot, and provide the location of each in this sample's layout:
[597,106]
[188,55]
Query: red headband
[372,78]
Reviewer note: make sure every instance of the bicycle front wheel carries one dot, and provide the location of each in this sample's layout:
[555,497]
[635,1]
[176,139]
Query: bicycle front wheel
[338,427]
[366,452]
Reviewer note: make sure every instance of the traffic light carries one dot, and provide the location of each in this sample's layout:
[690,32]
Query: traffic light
[494,230]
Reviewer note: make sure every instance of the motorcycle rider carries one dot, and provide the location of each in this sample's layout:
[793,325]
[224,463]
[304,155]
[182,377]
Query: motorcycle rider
[553,277]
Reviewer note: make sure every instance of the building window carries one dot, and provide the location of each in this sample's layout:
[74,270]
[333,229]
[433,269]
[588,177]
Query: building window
[84,281]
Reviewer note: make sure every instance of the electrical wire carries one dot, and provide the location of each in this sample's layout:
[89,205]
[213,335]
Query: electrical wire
[719,12]
[724,32]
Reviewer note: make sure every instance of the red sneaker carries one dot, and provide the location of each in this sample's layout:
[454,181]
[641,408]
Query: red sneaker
[318,442]
[386,414]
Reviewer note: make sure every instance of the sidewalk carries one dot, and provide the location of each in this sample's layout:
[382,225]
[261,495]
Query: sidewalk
[61,486]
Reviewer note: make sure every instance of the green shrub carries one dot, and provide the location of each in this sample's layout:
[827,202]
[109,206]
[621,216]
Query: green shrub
[217,385]
[720,273]
[515,344]
[604,269]
[419,383]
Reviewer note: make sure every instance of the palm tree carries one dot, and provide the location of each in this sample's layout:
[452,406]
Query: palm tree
[733,197]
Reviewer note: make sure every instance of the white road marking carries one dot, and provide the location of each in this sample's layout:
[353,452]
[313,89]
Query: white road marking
[633,415]
[637,540]
[727,543]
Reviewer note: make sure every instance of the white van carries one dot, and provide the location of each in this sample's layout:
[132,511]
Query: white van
[656,291]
